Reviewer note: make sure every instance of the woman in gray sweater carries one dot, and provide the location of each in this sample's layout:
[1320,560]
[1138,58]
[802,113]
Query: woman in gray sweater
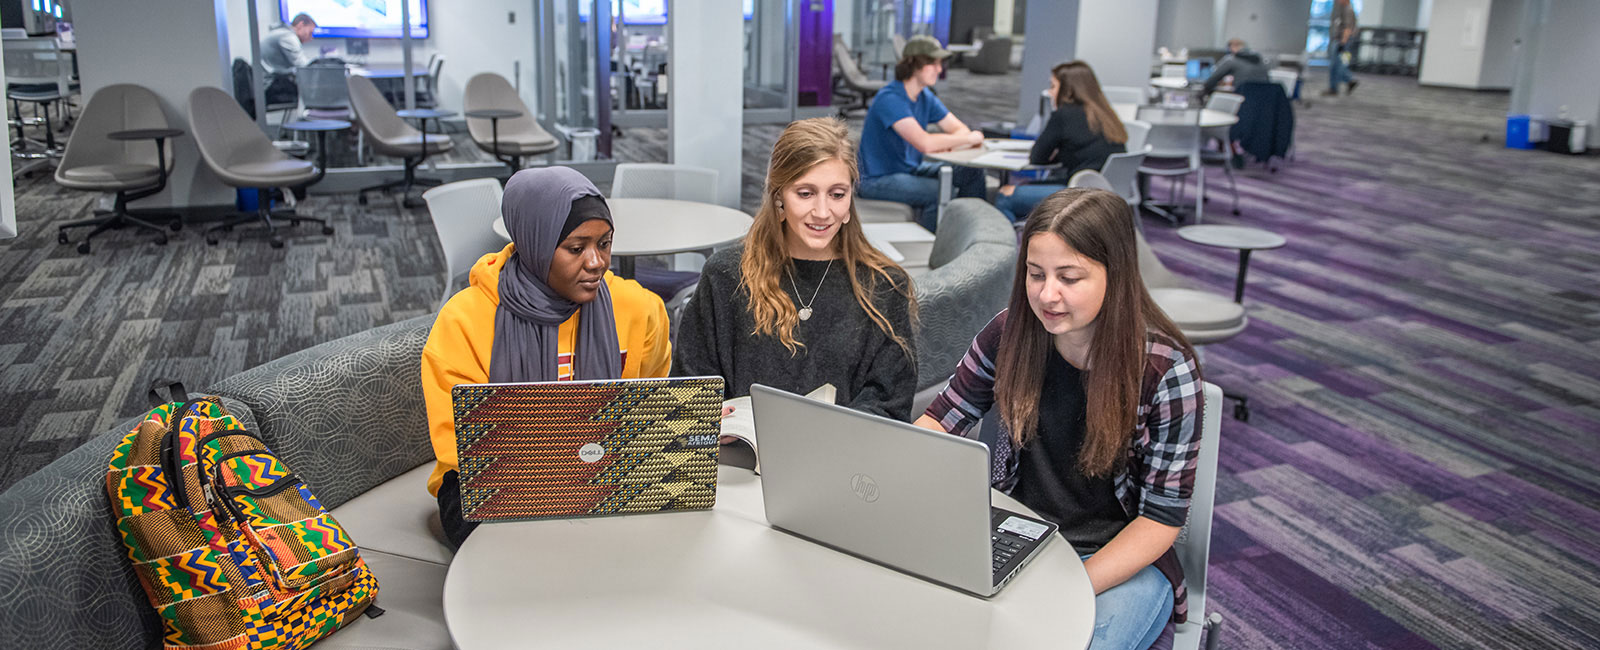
[806,300]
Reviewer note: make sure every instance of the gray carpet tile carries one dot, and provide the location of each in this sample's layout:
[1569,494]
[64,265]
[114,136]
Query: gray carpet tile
[1418,471]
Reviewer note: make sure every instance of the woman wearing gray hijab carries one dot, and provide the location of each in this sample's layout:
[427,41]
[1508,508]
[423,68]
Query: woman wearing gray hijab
[542,309]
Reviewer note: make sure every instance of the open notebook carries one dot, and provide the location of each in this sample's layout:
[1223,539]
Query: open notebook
[742,425]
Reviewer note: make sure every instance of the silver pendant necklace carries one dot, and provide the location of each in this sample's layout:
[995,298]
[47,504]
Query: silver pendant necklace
[805,306]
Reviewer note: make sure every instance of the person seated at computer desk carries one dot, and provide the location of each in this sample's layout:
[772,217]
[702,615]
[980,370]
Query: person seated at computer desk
[1242,63]
[1099,396]
[895,135]
[805,300]
[280,48]
[543,309]
[1081,132]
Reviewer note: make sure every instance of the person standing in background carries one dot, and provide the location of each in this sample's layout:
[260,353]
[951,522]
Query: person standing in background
[1341,34]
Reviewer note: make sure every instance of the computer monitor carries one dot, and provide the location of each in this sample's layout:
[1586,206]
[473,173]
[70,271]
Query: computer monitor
[1199,69]
[357,18]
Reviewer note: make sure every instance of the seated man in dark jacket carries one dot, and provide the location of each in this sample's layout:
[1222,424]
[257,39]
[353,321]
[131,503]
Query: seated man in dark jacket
[1242,63]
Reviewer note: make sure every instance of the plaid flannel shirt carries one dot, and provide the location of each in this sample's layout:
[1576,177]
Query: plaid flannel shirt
[1157,478]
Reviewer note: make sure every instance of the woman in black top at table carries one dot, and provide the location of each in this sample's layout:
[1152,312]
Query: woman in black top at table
[1080,134]
[805,300]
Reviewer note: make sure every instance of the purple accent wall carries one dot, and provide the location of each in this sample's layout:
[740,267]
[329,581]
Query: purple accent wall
[814,82]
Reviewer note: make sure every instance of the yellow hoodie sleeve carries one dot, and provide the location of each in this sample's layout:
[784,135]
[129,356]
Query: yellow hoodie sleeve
[457,352]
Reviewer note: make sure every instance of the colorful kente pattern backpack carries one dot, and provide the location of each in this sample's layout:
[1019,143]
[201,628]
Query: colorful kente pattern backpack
[231,547]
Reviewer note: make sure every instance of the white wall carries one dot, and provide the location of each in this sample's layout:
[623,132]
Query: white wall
[844,18]
[1185,23]
[1500,48]
[139,42]
[1117,39]
[1424,13]
[705,119]
[1269,26]
[1458,30]
[1003,10]
[1564,51]
[1396,13]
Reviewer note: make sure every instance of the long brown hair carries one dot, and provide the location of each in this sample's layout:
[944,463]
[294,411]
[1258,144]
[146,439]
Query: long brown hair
[1080,86]
[802,146]
[1098,225]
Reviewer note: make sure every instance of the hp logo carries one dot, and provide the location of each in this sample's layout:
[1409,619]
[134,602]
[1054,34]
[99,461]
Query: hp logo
[865,488]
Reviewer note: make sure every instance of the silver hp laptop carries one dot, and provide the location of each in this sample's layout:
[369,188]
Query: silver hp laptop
[894,493]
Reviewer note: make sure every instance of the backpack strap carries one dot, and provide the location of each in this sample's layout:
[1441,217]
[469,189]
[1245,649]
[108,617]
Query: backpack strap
[175,392]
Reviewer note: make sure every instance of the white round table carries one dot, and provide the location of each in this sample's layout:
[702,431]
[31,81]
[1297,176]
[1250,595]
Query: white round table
[1170,83]
[664,226]
[723,578]
[1242,238]
[1208,118]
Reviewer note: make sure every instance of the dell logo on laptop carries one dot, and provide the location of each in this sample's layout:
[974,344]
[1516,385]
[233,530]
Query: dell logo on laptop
[865,488]
[591,452]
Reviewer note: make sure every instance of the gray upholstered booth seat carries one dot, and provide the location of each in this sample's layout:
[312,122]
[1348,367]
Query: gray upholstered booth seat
[346,415]
[968,281]
[876,211]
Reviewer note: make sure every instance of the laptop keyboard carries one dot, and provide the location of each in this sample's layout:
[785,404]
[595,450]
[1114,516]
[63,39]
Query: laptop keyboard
[1005,548]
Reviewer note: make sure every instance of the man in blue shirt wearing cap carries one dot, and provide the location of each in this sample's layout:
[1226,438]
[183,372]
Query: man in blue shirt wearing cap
[896,135]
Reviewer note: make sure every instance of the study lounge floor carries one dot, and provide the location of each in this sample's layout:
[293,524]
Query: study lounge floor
[1418,470]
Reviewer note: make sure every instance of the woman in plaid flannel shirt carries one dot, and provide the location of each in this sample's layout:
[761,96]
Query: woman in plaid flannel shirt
[1099,397]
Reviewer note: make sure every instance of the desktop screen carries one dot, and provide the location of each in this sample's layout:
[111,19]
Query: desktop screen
[647,12]
[357,18]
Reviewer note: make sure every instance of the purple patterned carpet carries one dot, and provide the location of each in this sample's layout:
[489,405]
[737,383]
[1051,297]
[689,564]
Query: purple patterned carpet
[1423,362]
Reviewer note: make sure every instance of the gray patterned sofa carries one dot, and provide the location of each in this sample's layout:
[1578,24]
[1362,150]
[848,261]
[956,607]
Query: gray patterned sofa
[967,282]
[346,415]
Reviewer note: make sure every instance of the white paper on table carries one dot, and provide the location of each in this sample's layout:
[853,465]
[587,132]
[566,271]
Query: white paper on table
[1008,145]
[1002,160]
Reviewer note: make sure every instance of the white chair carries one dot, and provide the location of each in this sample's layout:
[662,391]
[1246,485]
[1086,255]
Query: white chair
[36,72]
[1286,78]
[1174,152]
[1138,133]
[668,181]
[664,181]
[463,216]
[1194,541]
[1174,71]
[1122,171]
[1226,103]
[1125,95]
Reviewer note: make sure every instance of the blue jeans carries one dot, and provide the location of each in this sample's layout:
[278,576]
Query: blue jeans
[1338,72]
[1024,199]
[920,188]
[1131,615]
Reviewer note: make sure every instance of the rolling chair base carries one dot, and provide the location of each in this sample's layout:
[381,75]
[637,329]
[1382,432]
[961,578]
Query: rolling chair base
[115,220]
[264,214]
[405,184]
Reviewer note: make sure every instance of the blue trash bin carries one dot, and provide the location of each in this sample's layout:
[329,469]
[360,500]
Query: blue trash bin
[1519,132]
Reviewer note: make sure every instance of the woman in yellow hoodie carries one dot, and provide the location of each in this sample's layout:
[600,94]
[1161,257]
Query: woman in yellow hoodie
[543,309]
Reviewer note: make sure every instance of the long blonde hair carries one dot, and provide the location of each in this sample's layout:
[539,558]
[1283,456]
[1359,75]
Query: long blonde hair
[802,146]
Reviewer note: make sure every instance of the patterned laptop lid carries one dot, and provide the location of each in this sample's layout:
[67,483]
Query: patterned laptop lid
[584,448]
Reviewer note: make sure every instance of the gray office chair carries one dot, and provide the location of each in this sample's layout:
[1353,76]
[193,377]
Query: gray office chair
[36,73]
[391,136]
[1223,155]
[1174,153]
[1122,171]
[666,181]
[1125,95]
[1138,134]
[323,91]
[242,156]
[993,57]
[516,136]
[1193,547]
[852,82]
[133,169]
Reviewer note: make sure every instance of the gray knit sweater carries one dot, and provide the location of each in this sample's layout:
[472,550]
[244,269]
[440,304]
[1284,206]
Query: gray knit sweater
[843,346]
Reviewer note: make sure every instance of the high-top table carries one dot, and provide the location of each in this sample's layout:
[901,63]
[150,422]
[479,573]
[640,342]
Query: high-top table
[723,578]
[1004,155]
[664,226]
